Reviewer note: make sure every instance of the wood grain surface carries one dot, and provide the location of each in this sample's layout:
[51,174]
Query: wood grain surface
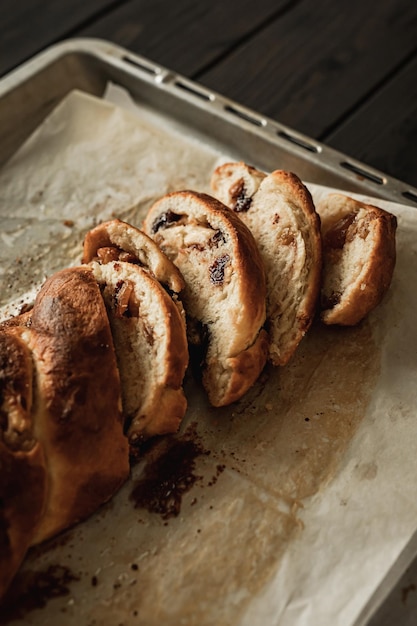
[344,73]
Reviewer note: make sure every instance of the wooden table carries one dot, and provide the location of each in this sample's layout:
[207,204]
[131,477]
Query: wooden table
[344,73]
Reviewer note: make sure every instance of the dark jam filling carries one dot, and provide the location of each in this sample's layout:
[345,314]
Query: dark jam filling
[124,301]
[218,238]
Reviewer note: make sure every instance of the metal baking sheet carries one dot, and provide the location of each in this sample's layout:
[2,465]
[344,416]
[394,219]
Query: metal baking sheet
[27,96]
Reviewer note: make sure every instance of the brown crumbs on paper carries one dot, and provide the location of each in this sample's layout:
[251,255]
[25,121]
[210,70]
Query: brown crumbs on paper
[168,475]
[32,590]
[405,591]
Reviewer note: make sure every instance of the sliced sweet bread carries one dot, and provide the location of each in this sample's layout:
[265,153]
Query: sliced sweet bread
[149,334]
[359,258]
[280,213]
[224,294]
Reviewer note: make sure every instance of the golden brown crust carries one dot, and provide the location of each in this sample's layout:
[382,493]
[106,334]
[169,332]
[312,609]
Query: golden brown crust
[78,411]
[23,475]
[23,483]
[280,213]
[16,390]
[116,236]
[359,258]
[240,372]
[23,319]
[225,284]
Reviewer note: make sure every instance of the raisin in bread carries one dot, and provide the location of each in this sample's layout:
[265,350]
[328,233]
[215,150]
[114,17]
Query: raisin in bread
[359,258]
[280,212]
[116,240]
[151,346]
[224,294]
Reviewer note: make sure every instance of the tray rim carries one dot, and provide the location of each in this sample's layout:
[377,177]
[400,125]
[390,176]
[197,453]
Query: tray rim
[370,181]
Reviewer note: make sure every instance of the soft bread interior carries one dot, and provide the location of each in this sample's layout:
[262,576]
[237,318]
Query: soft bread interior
[348,243]
[151,347]
[359,258]
[280,213]
[278,220]
[224,294]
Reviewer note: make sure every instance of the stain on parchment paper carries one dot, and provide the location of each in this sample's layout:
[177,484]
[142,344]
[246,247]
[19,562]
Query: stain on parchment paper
[206,566]
[281,444]
[169,474]
[292,429]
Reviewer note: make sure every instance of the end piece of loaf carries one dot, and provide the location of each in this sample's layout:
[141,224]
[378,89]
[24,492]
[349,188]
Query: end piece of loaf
[77,409]
[359,258]
[63,452]
[280,213]
[224,294]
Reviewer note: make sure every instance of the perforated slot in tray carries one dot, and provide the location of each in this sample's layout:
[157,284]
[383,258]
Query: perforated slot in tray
[362,171]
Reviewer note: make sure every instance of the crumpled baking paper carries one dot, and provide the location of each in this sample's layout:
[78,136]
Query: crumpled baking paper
[305,491]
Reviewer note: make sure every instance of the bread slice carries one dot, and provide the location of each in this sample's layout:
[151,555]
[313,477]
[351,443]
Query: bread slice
[280,213]
[224,295]
[151,345]
[23,471]
[116,240]
[359,258]
[77,402]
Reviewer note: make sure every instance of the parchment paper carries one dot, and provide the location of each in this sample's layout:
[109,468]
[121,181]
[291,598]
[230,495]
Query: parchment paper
[305,491]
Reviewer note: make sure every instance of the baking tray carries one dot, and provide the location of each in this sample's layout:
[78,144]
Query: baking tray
[30,93]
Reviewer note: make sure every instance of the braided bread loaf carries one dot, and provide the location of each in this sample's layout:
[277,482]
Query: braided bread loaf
[60,399]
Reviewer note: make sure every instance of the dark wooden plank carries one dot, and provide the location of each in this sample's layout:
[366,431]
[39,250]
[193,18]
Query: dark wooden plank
[311,66]
[185,36]
[383,132]
[28,26]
